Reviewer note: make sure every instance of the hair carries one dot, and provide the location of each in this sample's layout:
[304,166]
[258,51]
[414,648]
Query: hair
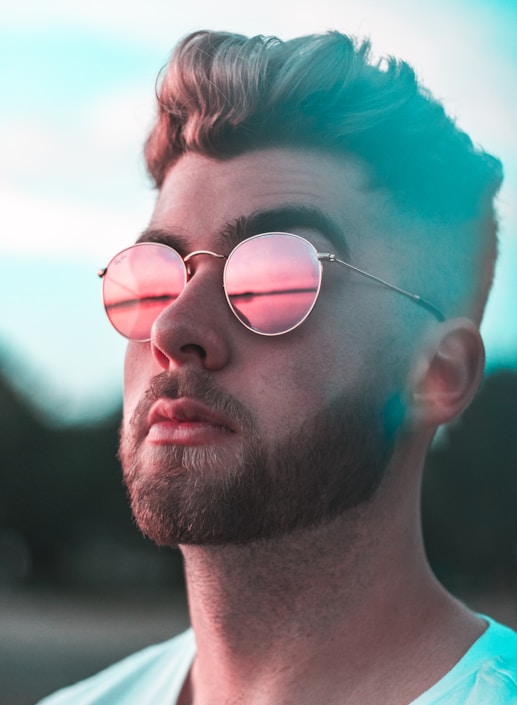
[224,94]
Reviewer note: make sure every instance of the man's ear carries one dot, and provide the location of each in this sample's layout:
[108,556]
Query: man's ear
[446,373]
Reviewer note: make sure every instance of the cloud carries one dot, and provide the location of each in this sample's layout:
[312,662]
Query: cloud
[51,227]
[77,188]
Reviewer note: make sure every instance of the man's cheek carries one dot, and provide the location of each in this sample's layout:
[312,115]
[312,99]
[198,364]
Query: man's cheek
[138,372]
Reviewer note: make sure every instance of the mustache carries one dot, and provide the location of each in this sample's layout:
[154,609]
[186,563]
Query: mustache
[195,384]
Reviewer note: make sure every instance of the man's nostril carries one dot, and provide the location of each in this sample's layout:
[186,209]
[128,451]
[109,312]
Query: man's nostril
[194,348]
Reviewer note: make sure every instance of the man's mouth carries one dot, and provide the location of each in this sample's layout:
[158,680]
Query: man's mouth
[186,422]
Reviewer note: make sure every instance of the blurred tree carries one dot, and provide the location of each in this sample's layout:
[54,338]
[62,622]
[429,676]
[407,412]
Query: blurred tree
[63,493]
[23,441]
[470,491]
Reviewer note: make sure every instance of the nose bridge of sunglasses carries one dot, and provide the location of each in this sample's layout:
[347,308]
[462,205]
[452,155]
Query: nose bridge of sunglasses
[187,259]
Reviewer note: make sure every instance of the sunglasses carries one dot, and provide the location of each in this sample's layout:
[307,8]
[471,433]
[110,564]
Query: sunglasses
[271,282]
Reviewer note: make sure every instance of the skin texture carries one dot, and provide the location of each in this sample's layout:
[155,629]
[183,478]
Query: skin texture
[340,607]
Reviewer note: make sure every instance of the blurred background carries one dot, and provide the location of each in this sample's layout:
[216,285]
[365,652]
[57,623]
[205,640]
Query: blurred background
[78,586]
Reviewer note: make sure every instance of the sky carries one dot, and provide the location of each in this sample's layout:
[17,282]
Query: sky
[77,101]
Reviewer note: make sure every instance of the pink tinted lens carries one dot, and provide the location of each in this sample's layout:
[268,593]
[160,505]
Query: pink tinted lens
[139,284]
[272,282]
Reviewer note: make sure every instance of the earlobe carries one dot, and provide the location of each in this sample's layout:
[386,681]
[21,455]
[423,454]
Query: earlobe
[447,373]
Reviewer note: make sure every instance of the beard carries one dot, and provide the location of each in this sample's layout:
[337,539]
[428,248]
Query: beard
[239,492]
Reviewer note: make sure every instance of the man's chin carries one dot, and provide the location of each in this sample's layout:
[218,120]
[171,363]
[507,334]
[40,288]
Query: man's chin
[182,495]
[237,493]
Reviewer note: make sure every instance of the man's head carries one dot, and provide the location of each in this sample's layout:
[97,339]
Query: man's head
[225,94]
[229,436]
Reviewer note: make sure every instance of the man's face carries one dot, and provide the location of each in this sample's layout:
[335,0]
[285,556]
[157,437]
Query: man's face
[230,436]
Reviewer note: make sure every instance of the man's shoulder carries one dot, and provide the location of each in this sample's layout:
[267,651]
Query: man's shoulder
[153,675]
[487,673]
[501,660]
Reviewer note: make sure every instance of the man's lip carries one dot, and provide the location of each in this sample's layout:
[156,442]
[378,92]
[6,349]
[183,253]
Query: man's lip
[187,410]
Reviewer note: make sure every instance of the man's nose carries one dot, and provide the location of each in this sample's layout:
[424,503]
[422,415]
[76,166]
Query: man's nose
[196,328]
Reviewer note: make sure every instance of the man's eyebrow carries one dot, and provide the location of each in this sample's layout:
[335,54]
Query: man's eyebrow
[165,236]
[287,218]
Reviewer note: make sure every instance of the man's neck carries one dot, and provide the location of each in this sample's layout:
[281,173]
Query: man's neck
[332,614]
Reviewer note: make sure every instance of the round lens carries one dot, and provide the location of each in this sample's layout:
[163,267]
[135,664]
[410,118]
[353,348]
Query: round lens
[272,282]
[139,284]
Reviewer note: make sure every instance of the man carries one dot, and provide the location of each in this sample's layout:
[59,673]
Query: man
[303,314]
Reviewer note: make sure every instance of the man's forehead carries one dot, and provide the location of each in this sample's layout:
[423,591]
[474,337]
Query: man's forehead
[270,189]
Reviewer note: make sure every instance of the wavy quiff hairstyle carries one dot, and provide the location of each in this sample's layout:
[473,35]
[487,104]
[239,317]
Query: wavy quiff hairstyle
[223,94]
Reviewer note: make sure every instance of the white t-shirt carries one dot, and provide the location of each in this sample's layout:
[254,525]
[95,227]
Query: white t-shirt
[486,675]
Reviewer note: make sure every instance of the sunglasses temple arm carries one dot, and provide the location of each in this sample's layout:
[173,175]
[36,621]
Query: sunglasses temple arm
[414,297]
